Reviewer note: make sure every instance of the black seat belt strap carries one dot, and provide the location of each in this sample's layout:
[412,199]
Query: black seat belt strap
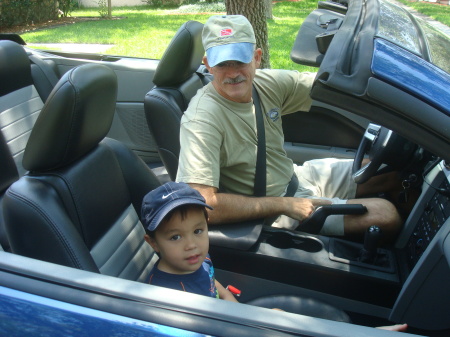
[259,189]
[48,72]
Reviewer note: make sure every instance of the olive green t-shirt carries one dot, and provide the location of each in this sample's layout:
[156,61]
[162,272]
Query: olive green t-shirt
[218,137]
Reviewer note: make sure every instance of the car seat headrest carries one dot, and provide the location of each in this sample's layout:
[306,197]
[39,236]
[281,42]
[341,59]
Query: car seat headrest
[15,68]
[75,118]
[182,57]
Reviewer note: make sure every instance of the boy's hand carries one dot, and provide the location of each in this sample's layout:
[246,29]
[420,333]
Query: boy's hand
[225,294]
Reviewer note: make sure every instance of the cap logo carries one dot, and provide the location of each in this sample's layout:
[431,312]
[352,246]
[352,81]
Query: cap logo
[167,195]
[226,32]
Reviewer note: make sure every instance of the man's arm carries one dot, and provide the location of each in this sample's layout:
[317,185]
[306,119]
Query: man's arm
[229,208]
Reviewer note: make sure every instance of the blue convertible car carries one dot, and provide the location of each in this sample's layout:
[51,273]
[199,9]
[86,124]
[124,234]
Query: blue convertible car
[85,136]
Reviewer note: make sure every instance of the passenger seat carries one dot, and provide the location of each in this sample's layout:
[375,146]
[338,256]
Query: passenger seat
[79,205]
[8,175]
[23,89]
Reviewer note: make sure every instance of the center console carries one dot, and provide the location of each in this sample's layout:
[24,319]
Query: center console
[399,281]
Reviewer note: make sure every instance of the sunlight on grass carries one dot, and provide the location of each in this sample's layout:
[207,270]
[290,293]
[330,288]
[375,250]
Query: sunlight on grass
[288,17]
[146,32]
[436,11]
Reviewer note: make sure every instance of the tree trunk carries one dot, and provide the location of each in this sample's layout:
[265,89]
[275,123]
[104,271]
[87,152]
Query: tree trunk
[255,12]
[269,14]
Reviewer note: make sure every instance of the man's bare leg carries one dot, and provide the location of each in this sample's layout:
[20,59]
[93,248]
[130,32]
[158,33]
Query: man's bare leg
[380,212]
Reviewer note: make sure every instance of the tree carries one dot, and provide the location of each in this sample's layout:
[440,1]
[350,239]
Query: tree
[255,12]
[269,9]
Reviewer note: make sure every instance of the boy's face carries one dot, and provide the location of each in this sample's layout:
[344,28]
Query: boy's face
[181,243]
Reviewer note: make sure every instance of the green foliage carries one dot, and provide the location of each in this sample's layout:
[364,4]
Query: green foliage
[176,3]
[146,32]
[67,6]
[103,8]
[17,12]
[163,3]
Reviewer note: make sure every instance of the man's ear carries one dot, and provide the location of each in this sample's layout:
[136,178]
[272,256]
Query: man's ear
[152,242]
[205,62]
[258,57]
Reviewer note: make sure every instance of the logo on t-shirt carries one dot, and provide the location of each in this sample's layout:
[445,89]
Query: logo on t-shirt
[274,114]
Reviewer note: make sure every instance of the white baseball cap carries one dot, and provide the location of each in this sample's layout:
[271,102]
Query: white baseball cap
[228,38]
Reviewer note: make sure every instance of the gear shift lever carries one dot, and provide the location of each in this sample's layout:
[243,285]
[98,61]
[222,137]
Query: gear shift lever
[368,256]
[371,239]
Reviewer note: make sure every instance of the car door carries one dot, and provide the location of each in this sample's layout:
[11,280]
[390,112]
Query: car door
[324,131]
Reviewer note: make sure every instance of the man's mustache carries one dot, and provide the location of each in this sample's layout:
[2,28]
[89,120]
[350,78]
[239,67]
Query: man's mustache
[237,79]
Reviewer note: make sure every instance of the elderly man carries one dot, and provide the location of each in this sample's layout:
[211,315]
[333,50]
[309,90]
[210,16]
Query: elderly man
[219,143]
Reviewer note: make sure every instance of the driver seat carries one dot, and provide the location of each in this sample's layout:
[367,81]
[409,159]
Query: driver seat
[78,205]
[177,80]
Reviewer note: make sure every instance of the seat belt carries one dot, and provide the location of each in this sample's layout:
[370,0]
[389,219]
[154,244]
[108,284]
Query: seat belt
[48,73]
[205,78]
[259,188]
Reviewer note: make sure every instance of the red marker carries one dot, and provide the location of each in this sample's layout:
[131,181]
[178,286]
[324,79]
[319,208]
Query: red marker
[234,291]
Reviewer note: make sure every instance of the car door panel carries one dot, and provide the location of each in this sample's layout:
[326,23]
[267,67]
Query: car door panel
[322,133]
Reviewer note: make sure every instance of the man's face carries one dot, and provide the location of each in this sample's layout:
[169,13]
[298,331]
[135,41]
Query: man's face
[233,80]
[182,243]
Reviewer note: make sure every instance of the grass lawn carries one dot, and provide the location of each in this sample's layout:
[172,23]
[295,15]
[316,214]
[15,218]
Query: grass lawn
[145,31]
[438,12]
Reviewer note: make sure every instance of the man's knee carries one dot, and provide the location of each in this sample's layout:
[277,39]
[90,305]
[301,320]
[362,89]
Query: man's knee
[380,212]
[385,214]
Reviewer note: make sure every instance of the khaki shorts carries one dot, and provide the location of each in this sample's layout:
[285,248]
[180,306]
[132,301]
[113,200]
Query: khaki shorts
[329,179]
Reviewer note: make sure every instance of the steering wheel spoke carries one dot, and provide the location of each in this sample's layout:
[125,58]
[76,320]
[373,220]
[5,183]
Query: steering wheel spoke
[383,147]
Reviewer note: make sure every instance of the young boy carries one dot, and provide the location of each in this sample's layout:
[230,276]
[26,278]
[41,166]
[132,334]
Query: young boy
[176,223]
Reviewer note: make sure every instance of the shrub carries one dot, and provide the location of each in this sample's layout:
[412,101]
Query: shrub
[67,6]
[103,8]
[19,12]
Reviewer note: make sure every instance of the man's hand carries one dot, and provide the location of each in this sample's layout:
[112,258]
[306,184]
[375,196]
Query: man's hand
[301,208]
[298,208]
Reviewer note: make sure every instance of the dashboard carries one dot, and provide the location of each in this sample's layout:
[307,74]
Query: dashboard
[424,255]
[435,213]
[414,276]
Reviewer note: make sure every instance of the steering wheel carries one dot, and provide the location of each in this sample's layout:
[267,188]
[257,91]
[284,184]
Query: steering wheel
[383,146]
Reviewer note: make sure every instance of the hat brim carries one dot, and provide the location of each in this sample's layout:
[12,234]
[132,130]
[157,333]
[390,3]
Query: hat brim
[171,206]
[242,52]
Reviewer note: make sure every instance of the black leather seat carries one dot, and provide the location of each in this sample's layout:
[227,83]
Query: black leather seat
[177,80]
[23,89]
[8,175]
[302,305]
[78,206]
